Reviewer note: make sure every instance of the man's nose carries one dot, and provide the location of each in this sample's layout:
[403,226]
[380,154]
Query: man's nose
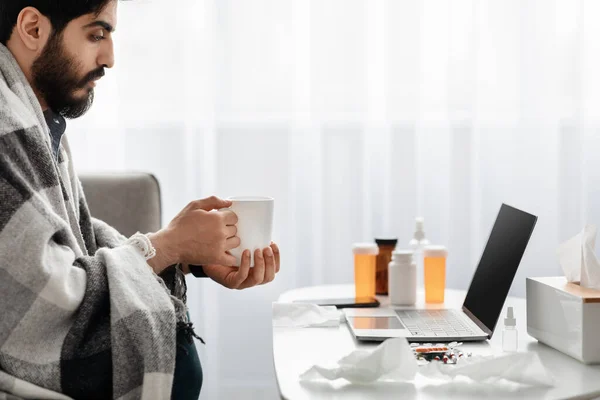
[107,56]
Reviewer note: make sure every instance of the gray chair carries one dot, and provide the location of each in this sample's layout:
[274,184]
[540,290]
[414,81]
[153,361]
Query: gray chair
[130,202]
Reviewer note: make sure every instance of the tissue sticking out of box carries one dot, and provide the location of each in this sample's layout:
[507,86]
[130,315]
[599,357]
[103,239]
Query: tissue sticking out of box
[578,259]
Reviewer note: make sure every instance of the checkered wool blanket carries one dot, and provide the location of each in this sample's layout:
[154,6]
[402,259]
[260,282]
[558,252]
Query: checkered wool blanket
[81,313]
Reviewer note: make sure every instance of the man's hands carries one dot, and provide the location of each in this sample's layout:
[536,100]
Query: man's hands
[199,234]
[267,263]
[202,235]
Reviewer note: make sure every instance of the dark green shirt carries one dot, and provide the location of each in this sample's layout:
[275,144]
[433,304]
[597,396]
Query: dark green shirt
[188,377]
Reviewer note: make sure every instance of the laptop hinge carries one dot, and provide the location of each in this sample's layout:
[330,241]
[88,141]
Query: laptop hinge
[480,324]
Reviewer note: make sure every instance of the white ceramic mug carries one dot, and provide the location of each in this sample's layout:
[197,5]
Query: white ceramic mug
[255,224]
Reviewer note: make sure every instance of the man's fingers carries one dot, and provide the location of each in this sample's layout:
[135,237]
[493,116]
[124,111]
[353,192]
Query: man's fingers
[242,274]
[269,265]
[229,217]
[227,260]
[231,231]
[232,243]
[211,203]
[258,273]
[277,255]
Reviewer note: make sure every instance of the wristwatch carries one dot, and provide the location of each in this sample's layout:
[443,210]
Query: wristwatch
[197,271]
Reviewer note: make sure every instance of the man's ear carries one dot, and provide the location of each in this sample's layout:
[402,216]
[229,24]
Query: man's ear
[33,28]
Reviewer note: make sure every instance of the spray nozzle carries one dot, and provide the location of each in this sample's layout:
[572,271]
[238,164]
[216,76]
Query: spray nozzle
[420,229]
[510,318]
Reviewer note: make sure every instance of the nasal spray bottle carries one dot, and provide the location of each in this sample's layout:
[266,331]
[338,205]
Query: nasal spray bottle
[510,336]
[417,244]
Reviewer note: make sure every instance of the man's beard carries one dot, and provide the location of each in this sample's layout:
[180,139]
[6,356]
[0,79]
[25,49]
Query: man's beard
[55,78]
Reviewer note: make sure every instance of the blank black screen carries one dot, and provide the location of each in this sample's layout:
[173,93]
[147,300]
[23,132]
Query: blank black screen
[498,266]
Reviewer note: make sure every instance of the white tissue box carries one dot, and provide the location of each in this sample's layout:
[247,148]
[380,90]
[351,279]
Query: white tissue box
[565,316]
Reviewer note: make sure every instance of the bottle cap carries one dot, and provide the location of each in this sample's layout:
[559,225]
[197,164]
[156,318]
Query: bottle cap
[403,256]
[386,242]
[510,318]
[435,251]
[369,249]
[420,228]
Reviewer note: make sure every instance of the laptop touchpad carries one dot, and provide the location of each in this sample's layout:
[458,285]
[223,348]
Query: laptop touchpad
[376,323]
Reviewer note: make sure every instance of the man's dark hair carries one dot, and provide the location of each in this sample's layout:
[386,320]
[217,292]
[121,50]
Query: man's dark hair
[60,12]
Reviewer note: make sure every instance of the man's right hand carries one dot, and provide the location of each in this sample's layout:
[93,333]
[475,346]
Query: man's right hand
[200,234]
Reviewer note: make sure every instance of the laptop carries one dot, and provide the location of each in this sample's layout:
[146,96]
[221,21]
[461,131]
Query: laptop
[483,304]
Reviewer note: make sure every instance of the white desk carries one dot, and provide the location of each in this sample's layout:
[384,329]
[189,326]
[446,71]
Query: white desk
[296,350]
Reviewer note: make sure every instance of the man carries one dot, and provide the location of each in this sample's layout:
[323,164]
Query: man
[84,313]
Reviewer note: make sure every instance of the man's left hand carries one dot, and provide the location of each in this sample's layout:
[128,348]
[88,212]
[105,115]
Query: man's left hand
[266,265]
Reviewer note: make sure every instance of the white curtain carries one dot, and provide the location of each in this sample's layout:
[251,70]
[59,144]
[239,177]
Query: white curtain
[357,116]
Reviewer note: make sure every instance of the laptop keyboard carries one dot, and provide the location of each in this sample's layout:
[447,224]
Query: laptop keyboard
[432,323]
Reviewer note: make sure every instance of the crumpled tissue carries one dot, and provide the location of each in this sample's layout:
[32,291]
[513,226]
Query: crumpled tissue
[522,368]
[392,361]
[301,315]
[578,259]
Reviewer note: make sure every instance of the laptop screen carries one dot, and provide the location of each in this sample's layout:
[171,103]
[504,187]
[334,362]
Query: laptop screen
[498,266]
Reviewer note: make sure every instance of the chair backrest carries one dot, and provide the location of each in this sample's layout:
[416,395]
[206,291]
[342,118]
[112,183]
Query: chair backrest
[130,202]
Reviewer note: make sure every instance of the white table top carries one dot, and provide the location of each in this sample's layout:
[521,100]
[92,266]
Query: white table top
[295,350]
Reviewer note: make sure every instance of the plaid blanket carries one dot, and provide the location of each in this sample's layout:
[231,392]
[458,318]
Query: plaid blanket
[82,315]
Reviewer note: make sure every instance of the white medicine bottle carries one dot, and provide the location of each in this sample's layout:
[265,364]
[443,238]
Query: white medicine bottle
[402,278]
